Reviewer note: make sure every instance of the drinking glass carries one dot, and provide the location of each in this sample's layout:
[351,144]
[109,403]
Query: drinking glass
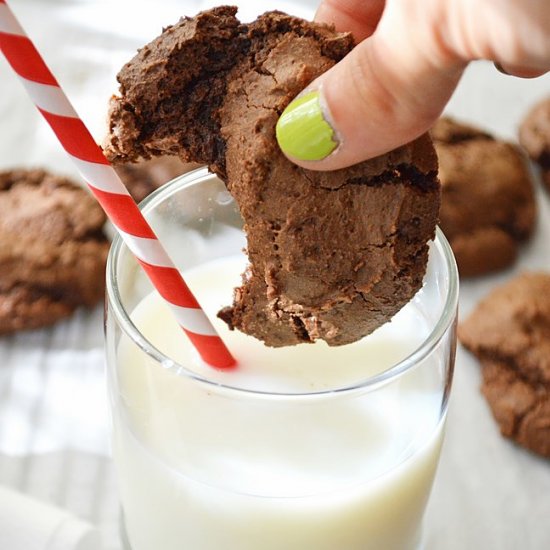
[340,454]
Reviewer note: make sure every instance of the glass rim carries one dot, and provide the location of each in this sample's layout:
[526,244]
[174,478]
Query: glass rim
[126,324]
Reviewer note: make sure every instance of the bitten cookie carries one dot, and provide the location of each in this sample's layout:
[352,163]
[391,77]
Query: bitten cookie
[488,204]
[509,332]
[52,249]
[534,136]
[332,255]
[144,177]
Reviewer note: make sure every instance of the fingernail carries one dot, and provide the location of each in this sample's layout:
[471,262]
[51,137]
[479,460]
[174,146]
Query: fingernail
[303,132]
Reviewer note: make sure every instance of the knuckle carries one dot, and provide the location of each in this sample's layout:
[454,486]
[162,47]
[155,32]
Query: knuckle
[369,83]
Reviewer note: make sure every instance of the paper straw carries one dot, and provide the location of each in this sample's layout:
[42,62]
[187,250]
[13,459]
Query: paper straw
[108,189]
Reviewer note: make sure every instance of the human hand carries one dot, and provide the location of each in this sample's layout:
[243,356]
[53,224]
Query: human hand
[409,59]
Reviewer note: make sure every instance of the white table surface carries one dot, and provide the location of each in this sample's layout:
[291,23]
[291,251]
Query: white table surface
[489,494]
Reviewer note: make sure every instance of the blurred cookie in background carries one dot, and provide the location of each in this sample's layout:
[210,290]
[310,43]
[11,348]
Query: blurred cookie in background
[144,177]
[52,249]
[509,332]
[534,137]
[488,204]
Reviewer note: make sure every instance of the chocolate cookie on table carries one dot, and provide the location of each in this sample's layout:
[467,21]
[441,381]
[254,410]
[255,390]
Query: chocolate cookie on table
[52,249]
[488,204]
[534,136]
[332,255]
[509,332]
[142,178]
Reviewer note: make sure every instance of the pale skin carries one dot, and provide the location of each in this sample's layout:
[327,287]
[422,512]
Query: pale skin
[409,59]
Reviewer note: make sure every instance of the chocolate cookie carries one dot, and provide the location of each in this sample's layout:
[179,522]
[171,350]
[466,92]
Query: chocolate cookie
[488,205]
[144,177]
[534,136]
[52,249]
[332,255]
[510,334]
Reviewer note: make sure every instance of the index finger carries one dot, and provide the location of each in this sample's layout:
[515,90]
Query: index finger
[360,17]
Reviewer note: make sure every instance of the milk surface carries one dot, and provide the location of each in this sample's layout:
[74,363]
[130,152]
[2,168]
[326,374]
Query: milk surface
[203,467]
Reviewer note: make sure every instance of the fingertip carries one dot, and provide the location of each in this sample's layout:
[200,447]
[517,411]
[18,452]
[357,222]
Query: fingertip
[520,72]
[364,107]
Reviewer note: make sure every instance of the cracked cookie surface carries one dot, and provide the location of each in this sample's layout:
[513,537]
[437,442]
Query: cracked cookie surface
[52,249]
[488,203]
[332,255]
[509,332]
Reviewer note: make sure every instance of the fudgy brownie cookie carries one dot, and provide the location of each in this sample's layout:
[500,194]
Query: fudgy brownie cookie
[144,177]
[332,255]
[510,334]
[52,249]
[534,136]
[488,204]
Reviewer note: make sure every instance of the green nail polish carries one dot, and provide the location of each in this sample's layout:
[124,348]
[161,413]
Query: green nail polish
[302,131]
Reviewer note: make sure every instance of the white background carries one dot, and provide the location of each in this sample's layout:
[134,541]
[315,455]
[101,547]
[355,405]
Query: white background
[489,494]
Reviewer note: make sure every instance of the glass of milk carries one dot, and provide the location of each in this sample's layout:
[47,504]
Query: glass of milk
[298,448]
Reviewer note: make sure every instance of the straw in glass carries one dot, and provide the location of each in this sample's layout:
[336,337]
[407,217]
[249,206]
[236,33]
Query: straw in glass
[108,189]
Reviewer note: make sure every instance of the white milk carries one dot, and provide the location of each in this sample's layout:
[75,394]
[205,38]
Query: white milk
[203,468]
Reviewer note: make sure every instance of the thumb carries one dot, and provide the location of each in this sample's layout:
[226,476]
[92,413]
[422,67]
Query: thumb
[386,92]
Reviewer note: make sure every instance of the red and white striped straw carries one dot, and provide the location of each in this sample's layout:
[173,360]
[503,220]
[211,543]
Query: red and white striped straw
[108,189]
